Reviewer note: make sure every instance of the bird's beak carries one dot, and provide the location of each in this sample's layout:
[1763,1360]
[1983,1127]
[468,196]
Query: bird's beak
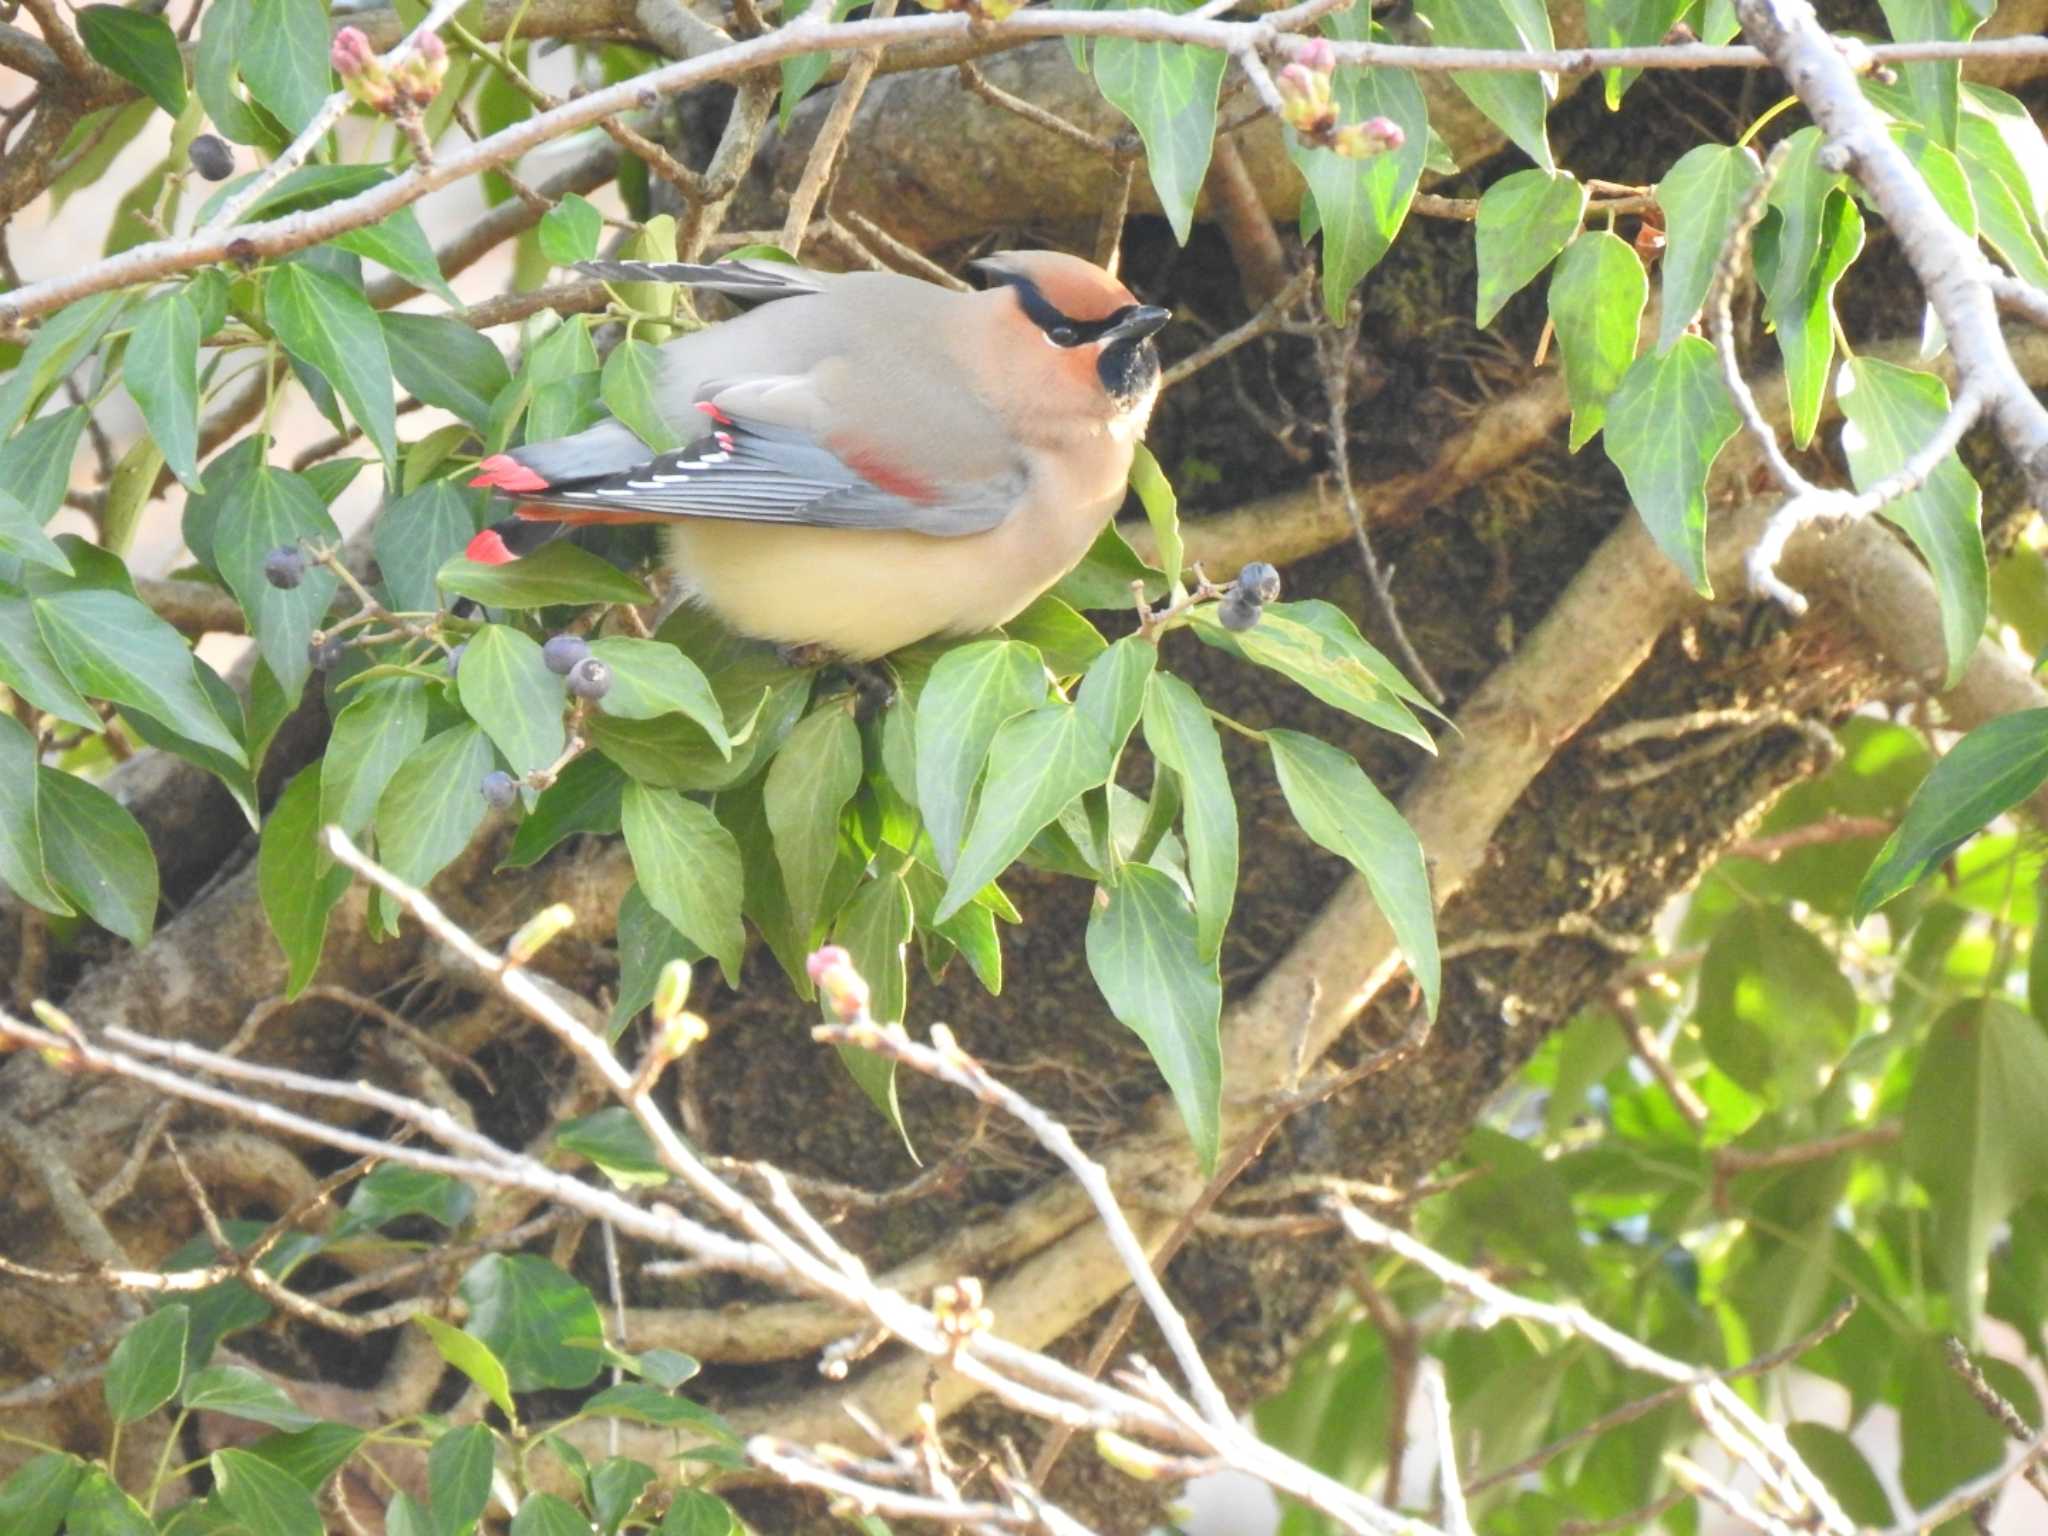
[1139,321]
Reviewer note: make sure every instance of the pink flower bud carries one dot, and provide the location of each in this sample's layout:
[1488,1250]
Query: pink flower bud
[351,53]
[839,984]
[1374,136]
[1318,55]
[361,71]
[419,77]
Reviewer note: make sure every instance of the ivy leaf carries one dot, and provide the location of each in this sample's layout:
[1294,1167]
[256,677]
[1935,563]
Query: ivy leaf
[1168,90]
[443,362]
[1524,221]
[59,345]
[237,1390]
[146,1366]
[808,785]
[570,230]
[416,536]
[1700,196]
[1597,293]
[372,737]
[35,463]
[323,322]
[1330,659]
[162,371]
[262,1497]
[1360,206]
[1666,424]
[1162,510]
[1516,101]
[1890,411]
[390,1191]
[397,241]
[554,574]
[1932,83]
[297,880]
[102,1507]
[1340,808]
[1806,327]
[507,689]
[22,536]
[1142,952]
[28,667]
[1629,24]
[628,391]
[1184,741]
[111,647]
[972,691]
[283,57]
[1039,764]
[459,1469]
[1975,1137]
[471,1356]
[97,854]
[267,510]
[35,1500]
[22,869]
[584,798]
[1775,1011]
[140,47]
[689,868]
[875,928]
[434,803]
[801,71]
[1984,775]
[535,1319]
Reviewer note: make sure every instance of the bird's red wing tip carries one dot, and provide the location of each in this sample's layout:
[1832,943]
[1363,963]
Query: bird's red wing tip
[489,548]
[502,472]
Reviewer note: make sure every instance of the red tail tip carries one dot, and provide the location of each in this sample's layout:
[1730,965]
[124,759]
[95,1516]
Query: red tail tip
[714,413]
[488,548]
[502,472]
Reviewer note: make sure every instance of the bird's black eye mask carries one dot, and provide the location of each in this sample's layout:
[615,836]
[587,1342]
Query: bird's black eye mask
[1061,329]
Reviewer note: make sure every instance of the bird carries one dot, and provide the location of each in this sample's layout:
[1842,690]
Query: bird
[871,459]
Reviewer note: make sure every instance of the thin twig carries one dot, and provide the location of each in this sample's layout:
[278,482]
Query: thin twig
[831,140]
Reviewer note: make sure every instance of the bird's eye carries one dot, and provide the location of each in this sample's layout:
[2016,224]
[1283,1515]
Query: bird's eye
[1062,336]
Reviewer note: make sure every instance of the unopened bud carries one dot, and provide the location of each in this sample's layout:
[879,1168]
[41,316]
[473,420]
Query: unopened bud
[362,73]
[419,76]
[1317,54]
[1374,136]
[671,991]
[959,1309]
[1131,1458]
[1305,104]
[539,931]
[839,984]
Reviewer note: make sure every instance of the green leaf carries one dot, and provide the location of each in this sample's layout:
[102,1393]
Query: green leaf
[1666,424]
[311,1455]
[372,737]
[398,242]
[1524,221]
[1515,101]
[416,536]
[695,1513]
[1798,195]
[27,667]
[1184,741]
[239,1391]
[630,377]
[651,678]
[296,878]
[1039,764]
[33,1502]
[263,511]
[555,573]
[283,57]
[100,1507]
[473,1357]
[140,47]
[1932,82]
[1700,196]
[1985,774]
[1317,648]
[97,854]
[972,691]
[570,230]
[324,322]
[434,804]
[35,464]
[264,1497]
[1775,1011]
[443,362]
[1806,327]
[507,689]
[1946,1437]
[583,799]
[616,1145]
[536,1319]
[1168,90]
[1628,24]
[1360,205]
[1142,953]
[459,1478]
[146,1366]
[1113,693]
[689,867]
[803,70]
[60,343]
[1340,808]
[1891,411]
[1066,641]
[1104,576]
[875,928]
[1975,1137]
[390,1191]
[1838,1462]
[542,1514]
[1597,293]
[1162,509]
[21,839]
[650,1405]
[616,1484]
[162,367]
[808,785]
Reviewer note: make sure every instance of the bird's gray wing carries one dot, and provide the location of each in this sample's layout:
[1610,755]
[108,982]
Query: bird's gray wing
[757,281]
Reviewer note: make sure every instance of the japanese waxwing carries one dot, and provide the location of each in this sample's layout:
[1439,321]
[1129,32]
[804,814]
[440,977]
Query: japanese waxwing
[869,459]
